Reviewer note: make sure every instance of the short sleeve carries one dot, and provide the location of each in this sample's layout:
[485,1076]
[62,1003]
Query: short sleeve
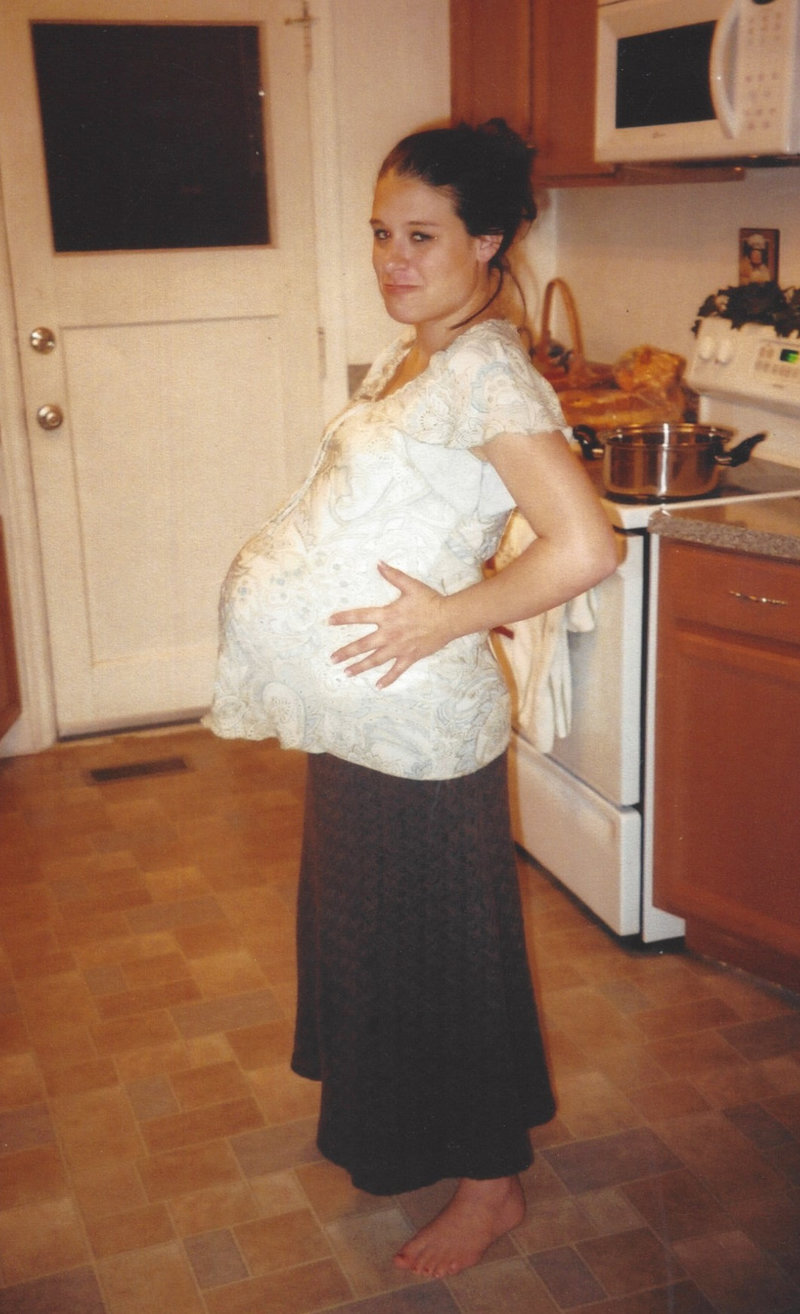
[482,386]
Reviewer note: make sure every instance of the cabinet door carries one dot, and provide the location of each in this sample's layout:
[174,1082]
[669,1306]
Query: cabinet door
[564,41]
[727,820]
[490,62]
[532,63]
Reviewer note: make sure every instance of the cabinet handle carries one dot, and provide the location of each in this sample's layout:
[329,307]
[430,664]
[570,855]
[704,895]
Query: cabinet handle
[751,597]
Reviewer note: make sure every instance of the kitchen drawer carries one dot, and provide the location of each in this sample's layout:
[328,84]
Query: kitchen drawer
[759,596]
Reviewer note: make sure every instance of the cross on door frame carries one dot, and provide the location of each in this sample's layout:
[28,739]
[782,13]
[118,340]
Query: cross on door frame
[306,21]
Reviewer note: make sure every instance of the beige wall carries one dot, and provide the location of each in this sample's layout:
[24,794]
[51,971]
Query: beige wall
[391,75]
[391,71]
[640,260]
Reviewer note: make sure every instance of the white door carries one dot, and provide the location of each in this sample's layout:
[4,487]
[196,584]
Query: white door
[187,379]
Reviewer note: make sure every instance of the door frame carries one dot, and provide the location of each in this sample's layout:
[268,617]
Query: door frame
[36,728]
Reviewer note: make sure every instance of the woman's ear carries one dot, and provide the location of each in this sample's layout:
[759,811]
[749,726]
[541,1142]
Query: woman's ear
[488,246]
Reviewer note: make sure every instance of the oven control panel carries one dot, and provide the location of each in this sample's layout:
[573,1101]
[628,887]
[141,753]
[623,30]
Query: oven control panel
[750,364]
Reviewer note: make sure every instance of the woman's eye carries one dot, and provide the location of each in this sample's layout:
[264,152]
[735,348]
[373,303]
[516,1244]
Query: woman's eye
[380,234]
[421,237]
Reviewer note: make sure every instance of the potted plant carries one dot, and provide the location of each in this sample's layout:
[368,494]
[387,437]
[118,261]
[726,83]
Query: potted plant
[754,303]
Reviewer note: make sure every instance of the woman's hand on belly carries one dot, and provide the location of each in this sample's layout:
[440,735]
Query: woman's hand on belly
[409,628]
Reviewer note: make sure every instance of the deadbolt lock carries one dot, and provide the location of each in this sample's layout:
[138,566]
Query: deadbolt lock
[43,340]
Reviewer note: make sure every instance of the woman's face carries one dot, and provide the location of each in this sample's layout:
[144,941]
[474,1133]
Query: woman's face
[430,272]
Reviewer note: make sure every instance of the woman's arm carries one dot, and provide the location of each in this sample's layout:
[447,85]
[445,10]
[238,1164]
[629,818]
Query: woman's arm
[574,548]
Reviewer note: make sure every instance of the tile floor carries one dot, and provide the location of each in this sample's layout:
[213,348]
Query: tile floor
[157,1156]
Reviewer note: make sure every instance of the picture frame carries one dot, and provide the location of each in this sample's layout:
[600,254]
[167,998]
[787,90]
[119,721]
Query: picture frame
[758,255]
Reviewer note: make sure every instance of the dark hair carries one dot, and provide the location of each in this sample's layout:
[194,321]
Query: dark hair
[486,170]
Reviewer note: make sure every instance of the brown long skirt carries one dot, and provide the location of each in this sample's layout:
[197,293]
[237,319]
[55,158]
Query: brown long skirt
[415,1007]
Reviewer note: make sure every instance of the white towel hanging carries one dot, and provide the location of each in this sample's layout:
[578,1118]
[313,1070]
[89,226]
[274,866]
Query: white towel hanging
[538,653]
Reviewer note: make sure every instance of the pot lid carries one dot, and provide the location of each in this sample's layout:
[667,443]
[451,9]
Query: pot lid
[666,435]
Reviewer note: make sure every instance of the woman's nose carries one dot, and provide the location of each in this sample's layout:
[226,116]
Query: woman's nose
[394,255]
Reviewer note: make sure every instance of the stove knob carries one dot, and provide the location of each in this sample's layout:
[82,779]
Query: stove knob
[725,352]
[705,349]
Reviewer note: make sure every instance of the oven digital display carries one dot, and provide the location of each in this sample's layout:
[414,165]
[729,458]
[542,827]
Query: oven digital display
[790,355]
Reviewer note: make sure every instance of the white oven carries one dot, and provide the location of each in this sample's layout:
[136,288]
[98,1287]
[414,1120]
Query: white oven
[583,809]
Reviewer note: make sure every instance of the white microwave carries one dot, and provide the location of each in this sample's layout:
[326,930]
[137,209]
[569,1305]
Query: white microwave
[697,79]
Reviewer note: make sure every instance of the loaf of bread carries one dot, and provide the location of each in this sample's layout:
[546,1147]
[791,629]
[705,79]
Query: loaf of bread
[606,408]
[649,370]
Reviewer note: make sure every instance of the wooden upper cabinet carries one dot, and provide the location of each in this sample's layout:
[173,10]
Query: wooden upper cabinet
[531,62]
[490,62]
[564,36]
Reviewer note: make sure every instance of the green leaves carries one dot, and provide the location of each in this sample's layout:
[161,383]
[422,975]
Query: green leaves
[754,303]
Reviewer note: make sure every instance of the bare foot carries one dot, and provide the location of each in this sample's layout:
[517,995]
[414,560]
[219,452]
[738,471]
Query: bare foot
[477,1215]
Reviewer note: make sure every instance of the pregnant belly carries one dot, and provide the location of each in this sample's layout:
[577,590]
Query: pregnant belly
[275,675]
[279,603]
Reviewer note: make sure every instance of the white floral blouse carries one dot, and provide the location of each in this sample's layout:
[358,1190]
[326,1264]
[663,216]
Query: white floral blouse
[393,480]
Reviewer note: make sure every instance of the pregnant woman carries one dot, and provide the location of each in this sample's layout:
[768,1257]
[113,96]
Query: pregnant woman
[355,626]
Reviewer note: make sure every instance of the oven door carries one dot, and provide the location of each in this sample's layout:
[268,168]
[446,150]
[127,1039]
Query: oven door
[575,809]
[603,746]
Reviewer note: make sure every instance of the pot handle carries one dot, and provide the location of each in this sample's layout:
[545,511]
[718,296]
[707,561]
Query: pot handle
[591,447]
[741,452]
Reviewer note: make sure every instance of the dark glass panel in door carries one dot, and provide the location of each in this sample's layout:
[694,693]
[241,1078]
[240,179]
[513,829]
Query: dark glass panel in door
[153,135]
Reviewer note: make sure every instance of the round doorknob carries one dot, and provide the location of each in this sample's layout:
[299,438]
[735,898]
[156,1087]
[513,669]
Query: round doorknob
[50,417]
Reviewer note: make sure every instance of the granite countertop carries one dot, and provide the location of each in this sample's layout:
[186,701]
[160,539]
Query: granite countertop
[766,529]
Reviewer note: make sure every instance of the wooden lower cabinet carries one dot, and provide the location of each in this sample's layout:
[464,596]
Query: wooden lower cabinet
[727,755]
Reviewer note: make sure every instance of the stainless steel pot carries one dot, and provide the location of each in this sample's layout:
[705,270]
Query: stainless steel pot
[662,462]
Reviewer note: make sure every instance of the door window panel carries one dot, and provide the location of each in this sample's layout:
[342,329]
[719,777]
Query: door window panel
[153,135]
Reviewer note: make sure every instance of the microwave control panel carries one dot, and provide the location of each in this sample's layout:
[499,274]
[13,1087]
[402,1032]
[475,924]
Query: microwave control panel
[751,363]
[766,42]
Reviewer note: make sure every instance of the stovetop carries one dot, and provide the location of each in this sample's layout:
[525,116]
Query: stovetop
[747,380]
[756,478]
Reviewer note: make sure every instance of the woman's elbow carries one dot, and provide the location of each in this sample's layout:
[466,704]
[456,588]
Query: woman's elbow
[600,556]
[608,557]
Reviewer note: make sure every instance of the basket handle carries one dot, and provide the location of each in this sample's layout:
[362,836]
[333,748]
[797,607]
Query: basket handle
[576,337]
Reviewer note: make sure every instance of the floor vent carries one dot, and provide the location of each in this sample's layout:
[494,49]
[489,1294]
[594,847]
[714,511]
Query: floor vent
[162,766]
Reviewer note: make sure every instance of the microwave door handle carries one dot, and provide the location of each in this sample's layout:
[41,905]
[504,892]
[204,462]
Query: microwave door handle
[724,108]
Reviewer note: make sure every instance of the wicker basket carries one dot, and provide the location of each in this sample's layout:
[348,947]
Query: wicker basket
[566,367]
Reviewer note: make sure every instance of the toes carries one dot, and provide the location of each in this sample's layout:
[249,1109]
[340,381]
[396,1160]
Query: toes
[427,1267]
[410,1261]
